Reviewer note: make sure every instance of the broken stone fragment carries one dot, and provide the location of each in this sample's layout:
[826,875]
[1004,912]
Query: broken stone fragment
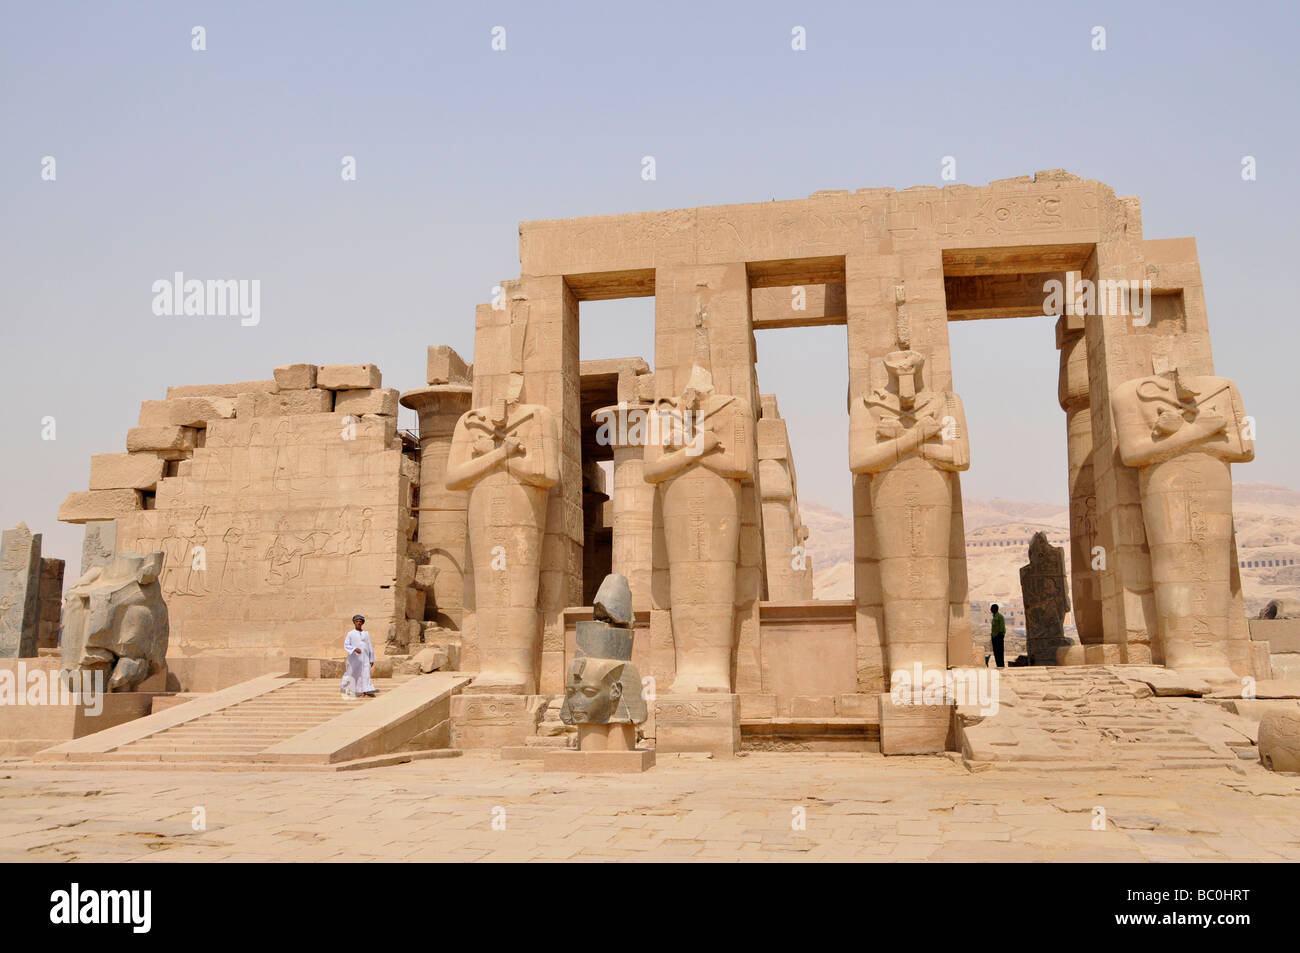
[613,602]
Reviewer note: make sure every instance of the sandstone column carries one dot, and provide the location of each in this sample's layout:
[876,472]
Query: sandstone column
[633,501]
[442,515]
[1073,395]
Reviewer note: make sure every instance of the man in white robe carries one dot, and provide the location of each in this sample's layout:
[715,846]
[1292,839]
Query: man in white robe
[360,659]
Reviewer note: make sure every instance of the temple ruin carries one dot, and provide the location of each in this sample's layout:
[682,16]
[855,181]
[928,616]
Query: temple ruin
[284,505]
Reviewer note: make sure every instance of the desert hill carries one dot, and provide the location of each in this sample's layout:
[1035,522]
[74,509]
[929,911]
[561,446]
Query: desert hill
[998,533]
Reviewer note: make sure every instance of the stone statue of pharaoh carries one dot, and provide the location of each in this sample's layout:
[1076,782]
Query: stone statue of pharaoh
[909,441]
[602,694]
[698,456]
[507,456]
[1182,432]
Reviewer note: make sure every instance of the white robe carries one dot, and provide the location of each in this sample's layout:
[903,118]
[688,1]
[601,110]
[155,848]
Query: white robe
[357,667]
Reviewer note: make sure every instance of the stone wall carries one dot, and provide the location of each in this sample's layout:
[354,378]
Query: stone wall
[282,507]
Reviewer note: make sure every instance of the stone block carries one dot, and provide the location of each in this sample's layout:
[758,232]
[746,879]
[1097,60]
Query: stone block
[701,722]
[168,443]
[220,390]
[125,471]
[859,706]
[185,411]
[84,507]
[431,659]
[757,706]
[445,366]
[381,401]
[913,729]
[284,404]
[814,706]
[1104,654]
[295,377]
[494,721]
[598,762]
[1072,655]
[415,602]
[1285,665]
[348,377]
[1282,635]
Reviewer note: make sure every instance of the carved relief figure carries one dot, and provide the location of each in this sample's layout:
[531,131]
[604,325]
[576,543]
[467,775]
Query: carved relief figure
[1182,433]
[507,456]
[699,461]
[910,441]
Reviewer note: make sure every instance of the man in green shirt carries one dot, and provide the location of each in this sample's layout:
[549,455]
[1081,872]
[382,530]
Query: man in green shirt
[997,634]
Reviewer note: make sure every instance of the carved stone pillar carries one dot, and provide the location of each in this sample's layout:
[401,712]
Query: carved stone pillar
[1072,392]
[442,523]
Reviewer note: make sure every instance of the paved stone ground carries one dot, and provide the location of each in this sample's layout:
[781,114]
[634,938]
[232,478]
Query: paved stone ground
[858,807]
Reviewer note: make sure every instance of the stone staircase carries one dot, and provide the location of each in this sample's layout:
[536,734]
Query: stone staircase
[1099,716]
[277,721]
[245,730]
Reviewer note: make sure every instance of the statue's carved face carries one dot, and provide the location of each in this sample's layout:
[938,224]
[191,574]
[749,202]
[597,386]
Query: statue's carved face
[905,375]
[592,692]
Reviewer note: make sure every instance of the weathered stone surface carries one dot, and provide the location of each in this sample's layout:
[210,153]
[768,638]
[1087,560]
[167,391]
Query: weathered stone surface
[1281,634]
[707,722]
[348,377]
[1169,682]
[613,601]
[51,603]
[132,471]
[98,543]
[507,456]
[87,506]
[909,442]
[1279,739]
[220,390]
[445,366]
[115,621]
[299,529]
[381,401]
[1182,432]
[1070,655]
[913,729]
[430,659]
[1046,601]
[284,403]
[700,477]
[20,580]
[185,411]
[295,377]
[169,443]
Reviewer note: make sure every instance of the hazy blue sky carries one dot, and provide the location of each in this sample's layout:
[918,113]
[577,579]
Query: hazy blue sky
[226,163]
